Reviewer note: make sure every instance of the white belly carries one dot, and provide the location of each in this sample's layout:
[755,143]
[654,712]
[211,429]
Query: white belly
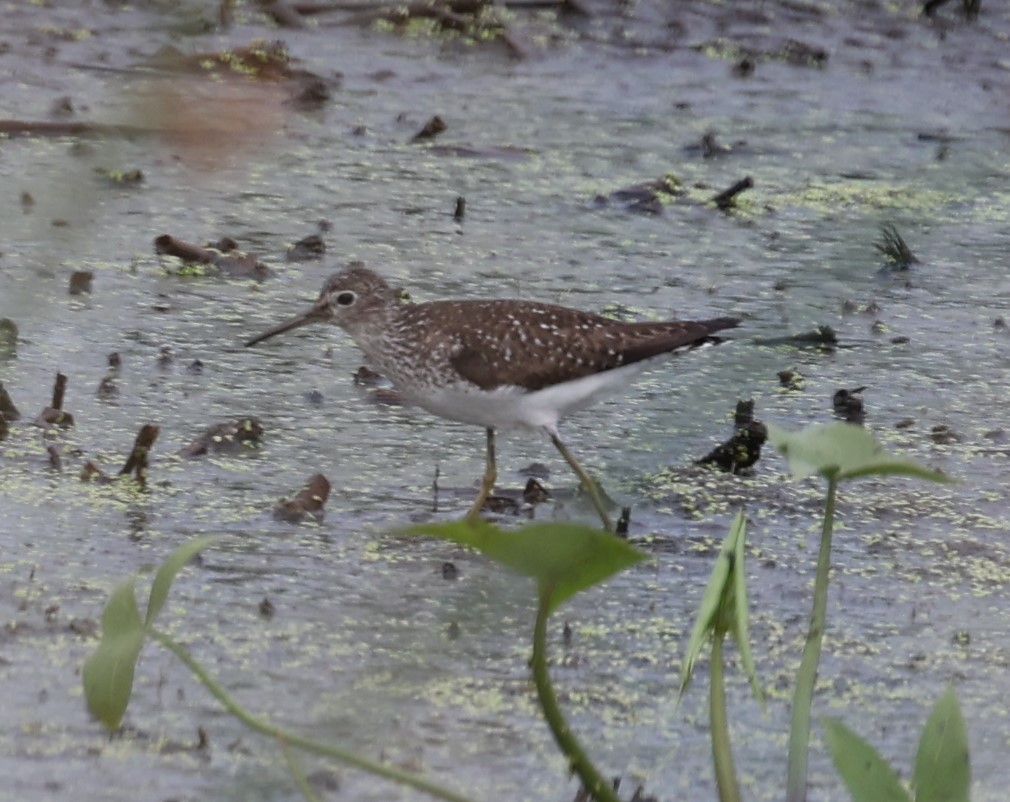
[510,407]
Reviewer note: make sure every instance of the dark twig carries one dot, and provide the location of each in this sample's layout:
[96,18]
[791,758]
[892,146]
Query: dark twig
[727,198]
[435,126]
[170,246]
[37,128]
[7,408]
[137,461]
[59,390]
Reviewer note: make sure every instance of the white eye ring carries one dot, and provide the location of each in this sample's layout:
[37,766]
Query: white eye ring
[346,298]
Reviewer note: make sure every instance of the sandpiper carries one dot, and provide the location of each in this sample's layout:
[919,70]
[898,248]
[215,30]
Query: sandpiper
[497,363]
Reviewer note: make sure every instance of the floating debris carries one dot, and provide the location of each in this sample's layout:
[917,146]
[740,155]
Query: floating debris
[80,282]
[791,379]
[121,177]
[230,437]
[367,377]
[821,337]
[230,263]
[107,388]
[475,20]
[53,415]
[431,129]
[92,473]
[282,12]
[942,434]
[744,68]
[7,408]
[848,404]
[743,415]
[970,8]
[621,530]
[502,505]
[790,51]
[8,337]
[743,449]
[136,463]
[740,451]
[710,148]
[648,197]
[307,249]
[166,358]
[505,152]
[534,492]
[307,504]
[726,199]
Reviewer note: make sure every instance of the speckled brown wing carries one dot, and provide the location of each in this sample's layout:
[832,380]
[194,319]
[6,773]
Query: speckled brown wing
[536,345]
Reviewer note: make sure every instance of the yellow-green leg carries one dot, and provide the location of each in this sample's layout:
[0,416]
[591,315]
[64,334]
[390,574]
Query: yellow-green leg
[487,483]
[587,482]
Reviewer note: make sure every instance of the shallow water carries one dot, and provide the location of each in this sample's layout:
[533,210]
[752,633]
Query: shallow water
[360,650]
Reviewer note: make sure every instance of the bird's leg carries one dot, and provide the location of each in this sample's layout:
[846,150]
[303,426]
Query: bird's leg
[587,482]
[487,483]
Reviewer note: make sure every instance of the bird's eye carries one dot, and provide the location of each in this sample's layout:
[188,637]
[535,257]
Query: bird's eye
[346,298]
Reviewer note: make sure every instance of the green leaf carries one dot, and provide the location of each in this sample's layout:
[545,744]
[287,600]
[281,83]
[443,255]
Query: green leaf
[942,767]
[865,773]
[711,601]
[724,607]
[843,451]
[563,558]
[741,616]
[108,673]
[167,572]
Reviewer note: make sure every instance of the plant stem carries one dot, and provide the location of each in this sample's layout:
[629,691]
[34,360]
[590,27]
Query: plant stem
[264,727]
[806,677]
[594,783]
[296,772]
[722,752]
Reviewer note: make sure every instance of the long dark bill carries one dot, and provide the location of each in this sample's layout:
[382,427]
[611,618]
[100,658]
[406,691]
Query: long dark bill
[317,314]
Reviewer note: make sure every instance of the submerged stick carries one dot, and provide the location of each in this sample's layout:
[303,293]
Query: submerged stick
[137,461]
[59,390]
[725,199]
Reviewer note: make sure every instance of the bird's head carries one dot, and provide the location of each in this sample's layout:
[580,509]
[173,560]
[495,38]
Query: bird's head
[347,299]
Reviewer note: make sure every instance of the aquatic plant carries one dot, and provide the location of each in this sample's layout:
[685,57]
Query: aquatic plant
[942,772]
[837,452]
[723,610]
[894,248]
[108,676]
[565,559]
